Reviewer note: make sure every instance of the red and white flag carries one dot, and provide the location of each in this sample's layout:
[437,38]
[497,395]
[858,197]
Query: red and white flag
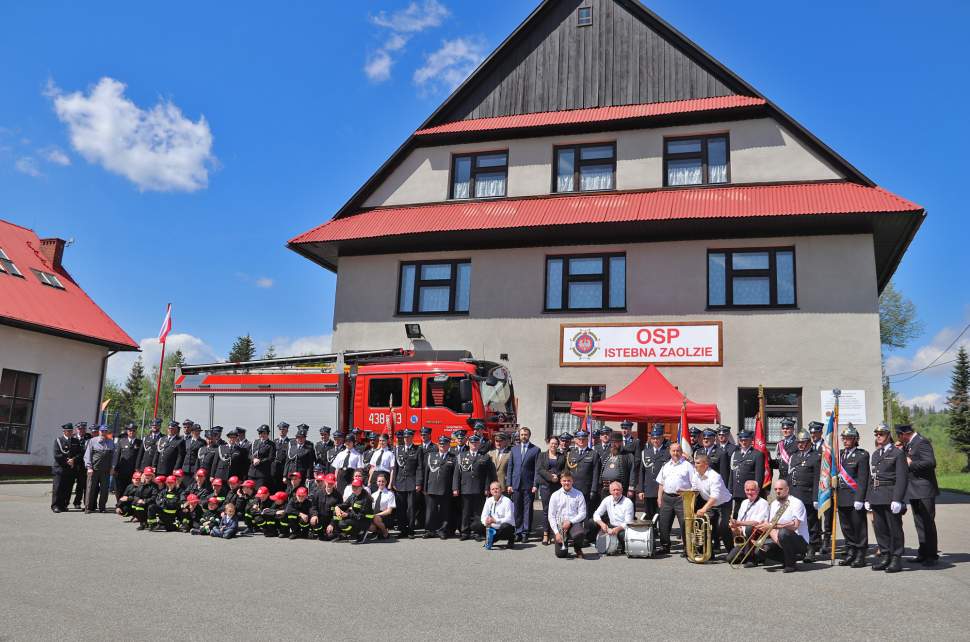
[685,432]
[166,325]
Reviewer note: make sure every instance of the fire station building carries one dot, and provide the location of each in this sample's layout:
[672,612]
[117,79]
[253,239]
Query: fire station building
[601,195]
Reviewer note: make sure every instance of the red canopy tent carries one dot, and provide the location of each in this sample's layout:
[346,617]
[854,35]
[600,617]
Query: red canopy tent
[649,397]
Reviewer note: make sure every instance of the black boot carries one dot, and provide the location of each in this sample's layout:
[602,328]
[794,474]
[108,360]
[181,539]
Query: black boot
[810,555]
[860,558]
[895,564]
[882,564]
[849,557]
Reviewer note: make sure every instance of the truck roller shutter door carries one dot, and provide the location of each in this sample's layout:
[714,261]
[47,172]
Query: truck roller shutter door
[194,407]
[246,411]
[313,410]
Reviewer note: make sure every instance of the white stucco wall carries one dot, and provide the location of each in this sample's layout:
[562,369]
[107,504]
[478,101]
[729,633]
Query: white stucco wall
[67,388]
[830,340]
[761,151]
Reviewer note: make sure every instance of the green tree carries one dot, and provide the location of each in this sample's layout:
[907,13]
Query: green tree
[132,394]
[898,324]
[179,358]
[270,352]
[958,405]
[244,349]
[166,394]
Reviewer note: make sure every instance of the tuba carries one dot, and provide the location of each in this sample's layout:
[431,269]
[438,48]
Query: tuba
[697,538]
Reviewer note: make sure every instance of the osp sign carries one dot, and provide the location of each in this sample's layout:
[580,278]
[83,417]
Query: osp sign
[690,343]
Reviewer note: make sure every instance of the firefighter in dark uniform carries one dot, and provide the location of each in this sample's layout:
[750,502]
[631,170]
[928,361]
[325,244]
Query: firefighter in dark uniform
[695,438]
[709,448]
[427,447]
[262,453]
[818,445]
[427,444]
[439,466]
[66,448]
[803,472]
[785,448]
[299,455]
[125,460]
[474,472]
[726,447]
[631,444]
[127,496]
[170,451]
[167,503]
[321,447]
[193,444]
[922,489]
[746,464]
[298,513]
[584,464]
[281,443]
[229,458]
[652,458]
[617,465]
[339,441]
[353,517]
[478,428]
[322,502]
[852,493]
[601,439]
[147,455]
[80,472]
[407,479]
[243,442]
[885,496]
[199,486]
[207,454]
[454,512]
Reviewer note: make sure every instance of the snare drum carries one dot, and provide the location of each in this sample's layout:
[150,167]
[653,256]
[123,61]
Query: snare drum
[607,544]
[639,538]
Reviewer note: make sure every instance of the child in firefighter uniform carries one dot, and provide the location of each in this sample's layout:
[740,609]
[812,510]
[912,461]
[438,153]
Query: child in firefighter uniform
[168,504]
[354,516]
[127,498]
[274,516]
[298,513]
[209,518]
[144,498]
[190,515]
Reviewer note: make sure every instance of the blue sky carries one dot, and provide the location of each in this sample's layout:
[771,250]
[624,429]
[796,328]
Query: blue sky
[277,112]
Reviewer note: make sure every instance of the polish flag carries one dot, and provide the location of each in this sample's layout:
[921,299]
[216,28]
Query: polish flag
[166,325]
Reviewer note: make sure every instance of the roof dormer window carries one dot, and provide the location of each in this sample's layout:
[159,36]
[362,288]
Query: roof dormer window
[48,279]
[7,266]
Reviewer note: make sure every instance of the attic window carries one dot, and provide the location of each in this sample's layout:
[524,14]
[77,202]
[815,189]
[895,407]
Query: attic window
[585,16]
[48,279]
[7,266]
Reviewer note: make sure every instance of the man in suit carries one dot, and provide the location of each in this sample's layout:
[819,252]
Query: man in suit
[125,459]
[500,455]
[520,476]
[652,458]
[885,497]
[66,448]
[726,448]
[921,491]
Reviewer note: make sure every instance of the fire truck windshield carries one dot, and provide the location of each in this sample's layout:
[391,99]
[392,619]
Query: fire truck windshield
[497,391]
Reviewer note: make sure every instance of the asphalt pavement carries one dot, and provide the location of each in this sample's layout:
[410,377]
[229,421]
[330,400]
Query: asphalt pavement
[76,576]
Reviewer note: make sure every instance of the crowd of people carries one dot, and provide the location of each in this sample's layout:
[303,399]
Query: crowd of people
[364,485]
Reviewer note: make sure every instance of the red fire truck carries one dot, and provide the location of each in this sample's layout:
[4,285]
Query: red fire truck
[370,390]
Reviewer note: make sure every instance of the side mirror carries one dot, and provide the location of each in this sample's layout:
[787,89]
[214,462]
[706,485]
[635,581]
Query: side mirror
[465,390]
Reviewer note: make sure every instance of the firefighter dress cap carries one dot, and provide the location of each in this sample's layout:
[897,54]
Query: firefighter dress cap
[881,428]
[95,428]
[746,434]
[302,431]
[196,428]
[803,436]
[325,430]
[444,441]
[282,424]
[458,434]
[408,432]
[709,433]
[263,429]
[131,426]
[187,422]
[216,431]
[815,426]
[84,424]
[67,426]
[369,434]
[232,433]
[173,424]
[657,431]
[626,424]
[566,436]
[724,430]
[241,431]
[580,434]
[155,422]
[339,435]
[787,422]
[904,429]
[475,439]
[425,431]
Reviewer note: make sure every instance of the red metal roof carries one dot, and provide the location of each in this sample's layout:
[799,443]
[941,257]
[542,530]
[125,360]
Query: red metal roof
[655,205]
[26,301]
[594,115]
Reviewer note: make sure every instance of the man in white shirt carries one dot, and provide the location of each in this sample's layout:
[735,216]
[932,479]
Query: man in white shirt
[618,511]
[753,511]
[789,538]
[674,477]
[498,517]
[567,514]
[716,498]
[381,461]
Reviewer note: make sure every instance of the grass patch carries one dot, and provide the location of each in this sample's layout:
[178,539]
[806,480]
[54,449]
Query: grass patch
[955,482]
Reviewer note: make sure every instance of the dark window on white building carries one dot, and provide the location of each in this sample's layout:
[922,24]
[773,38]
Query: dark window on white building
[751,278]
[697,160]
[434,287]
[585,282]
[17,391]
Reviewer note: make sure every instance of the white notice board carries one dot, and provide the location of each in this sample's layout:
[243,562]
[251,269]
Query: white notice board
[852,406]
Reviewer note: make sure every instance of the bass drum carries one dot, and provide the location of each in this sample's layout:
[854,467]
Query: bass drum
[607,544]
[640,536]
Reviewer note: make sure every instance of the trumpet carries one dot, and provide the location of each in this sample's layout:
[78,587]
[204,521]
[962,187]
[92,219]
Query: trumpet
[697,539]
[756,541]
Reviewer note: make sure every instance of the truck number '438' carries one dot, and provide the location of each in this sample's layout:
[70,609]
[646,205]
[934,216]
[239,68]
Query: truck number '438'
[383,418]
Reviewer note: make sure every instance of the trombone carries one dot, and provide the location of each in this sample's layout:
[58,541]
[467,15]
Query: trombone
[756,541]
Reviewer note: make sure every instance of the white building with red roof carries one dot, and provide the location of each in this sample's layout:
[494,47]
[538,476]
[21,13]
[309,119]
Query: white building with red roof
[600,195]
[54,346]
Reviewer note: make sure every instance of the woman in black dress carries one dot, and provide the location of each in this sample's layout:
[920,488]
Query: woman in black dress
[549,465]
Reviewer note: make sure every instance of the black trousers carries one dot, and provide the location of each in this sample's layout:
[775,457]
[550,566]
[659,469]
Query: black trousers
[650,507]
[97,489]
[420,512]
[673,504]
[825,525]
[545,494]
[924,515]
[522,504]
[855,529]
[721,535]
[471,513]
[437,512]
[792,547]
[577,535]
[80,483]
[404,500]
[61,489]
[889,530]
[814,525]
[505,532]
[122,480]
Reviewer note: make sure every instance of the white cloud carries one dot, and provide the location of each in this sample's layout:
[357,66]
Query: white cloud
[447,67]
[193,348]
[55,155]
[264,282]
[28,165]
[929,400]
[295,347]
[402,25]
[414,18]
[378,67]
[157,149]
[926,354]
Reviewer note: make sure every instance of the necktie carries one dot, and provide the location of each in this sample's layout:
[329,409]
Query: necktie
[523,451]
[377,502]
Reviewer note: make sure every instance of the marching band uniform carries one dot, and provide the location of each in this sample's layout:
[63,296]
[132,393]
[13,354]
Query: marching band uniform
[852,516]
[885,496]
[921,491]
[471,478]
[803,471]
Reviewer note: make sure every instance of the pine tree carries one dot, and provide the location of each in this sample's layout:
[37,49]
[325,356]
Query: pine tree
[244,349]
[132,392]
[178,358]
[958,404]
[270,352]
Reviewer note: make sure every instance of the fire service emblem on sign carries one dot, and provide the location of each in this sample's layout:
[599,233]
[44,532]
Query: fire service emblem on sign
[585,344]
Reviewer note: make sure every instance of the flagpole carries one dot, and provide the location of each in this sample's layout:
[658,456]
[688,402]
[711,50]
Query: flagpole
[158,384]
[835,477]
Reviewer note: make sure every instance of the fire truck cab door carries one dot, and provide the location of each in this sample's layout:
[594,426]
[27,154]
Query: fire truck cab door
[443,404]
[382,396]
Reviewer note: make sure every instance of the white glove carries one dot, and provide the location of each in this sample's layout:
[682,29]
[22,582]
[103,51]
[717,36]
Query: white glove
[857,505]
[895,507]
[868,507]
[815,505]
